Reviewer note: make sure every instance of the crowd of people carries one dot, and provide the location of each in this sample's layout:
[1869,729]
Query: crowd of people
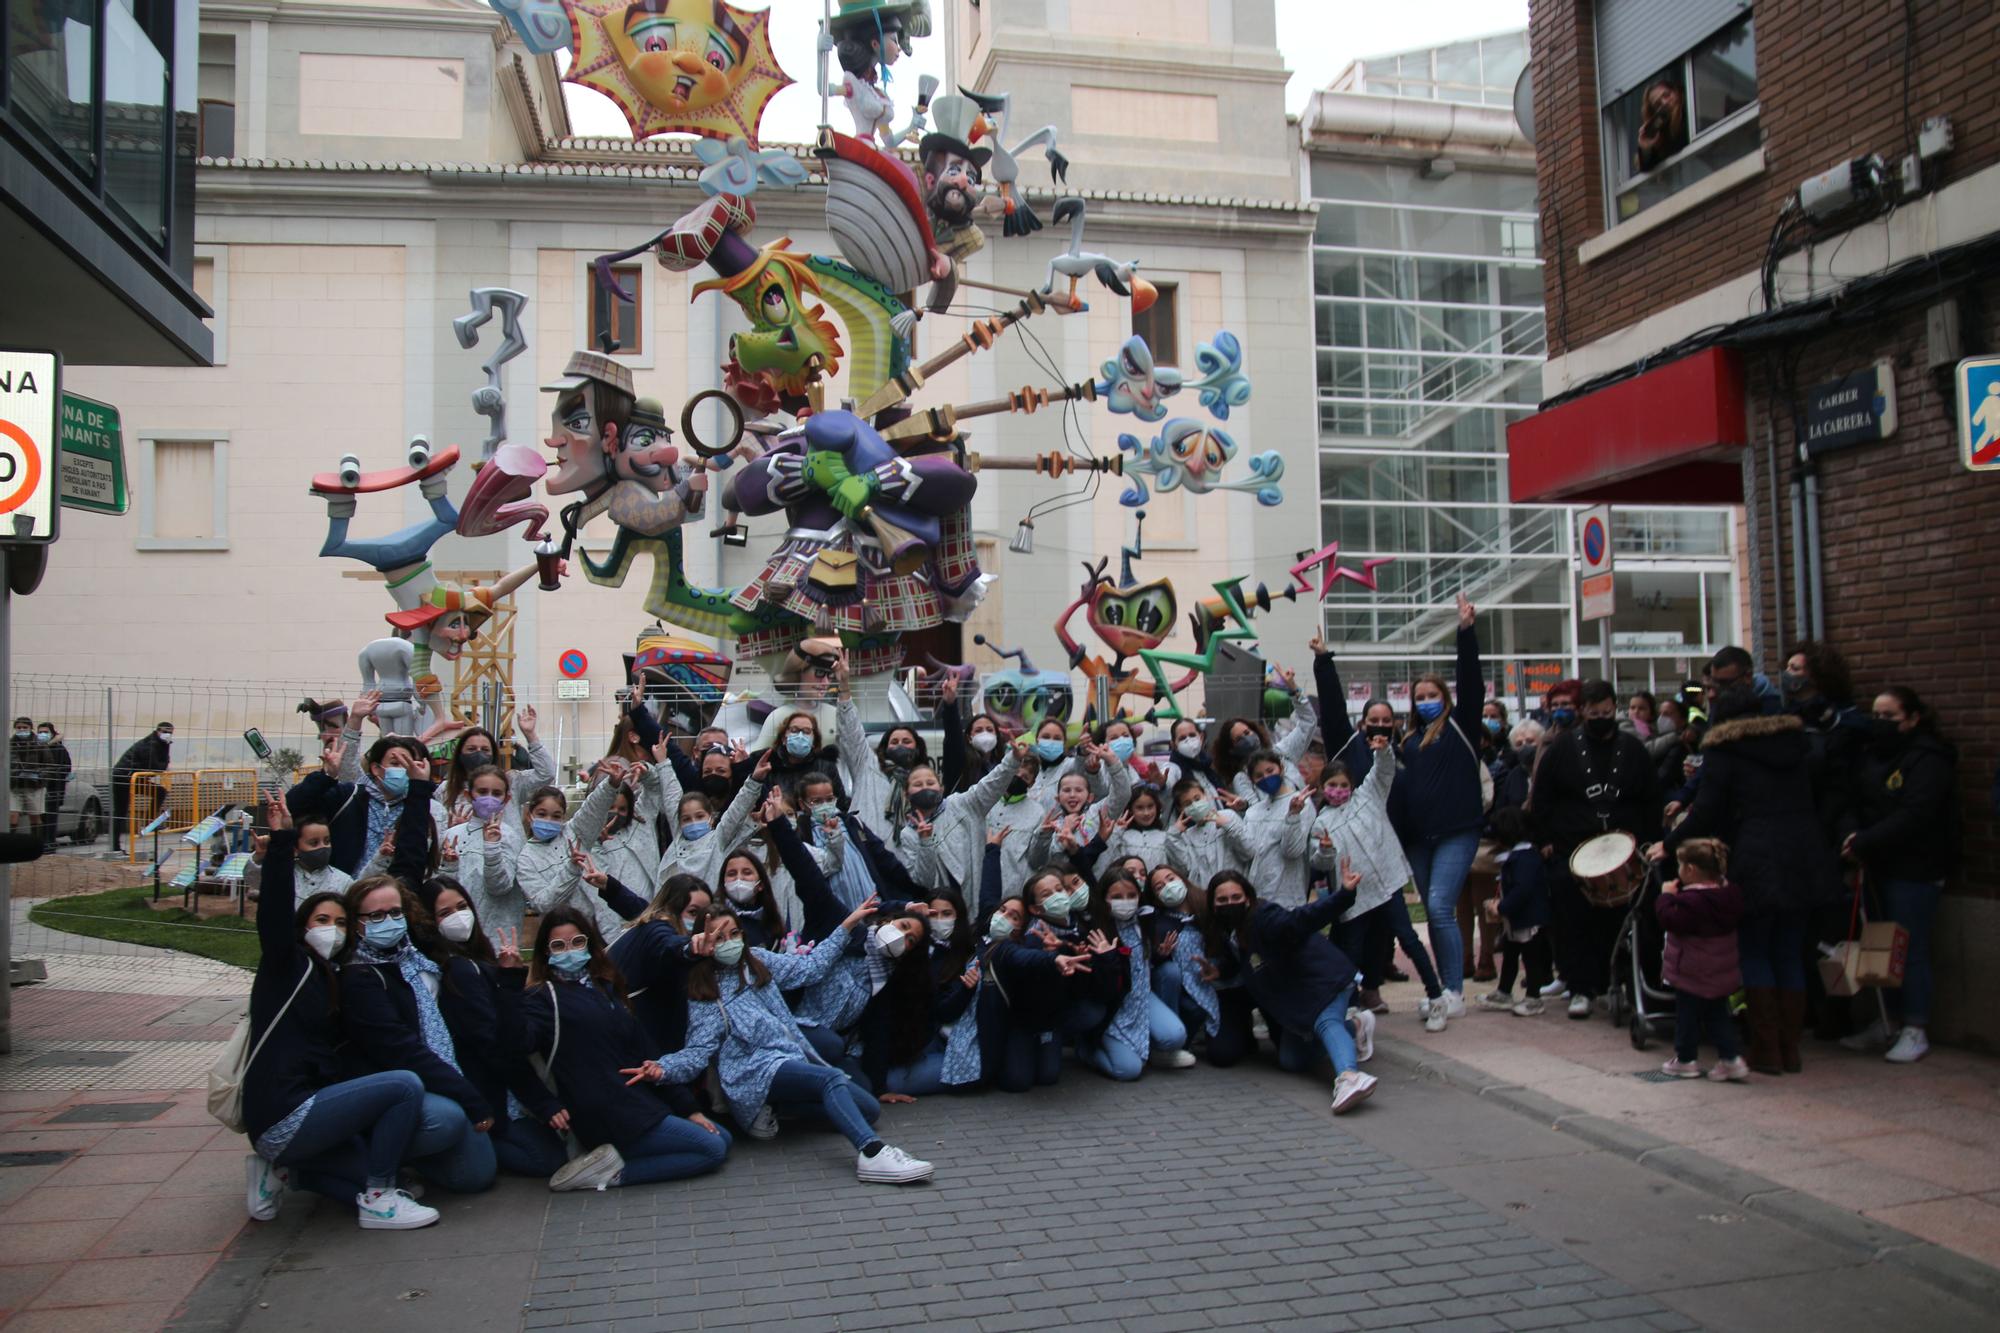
[728,942]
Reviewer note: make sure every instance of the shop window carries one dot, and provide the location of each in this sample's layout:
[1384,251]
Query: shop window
[1678,86]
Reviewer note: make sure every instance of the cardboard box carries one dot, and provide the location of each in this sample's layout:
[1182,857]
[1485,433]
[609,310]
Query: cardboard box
[1840,971]
[1885,950]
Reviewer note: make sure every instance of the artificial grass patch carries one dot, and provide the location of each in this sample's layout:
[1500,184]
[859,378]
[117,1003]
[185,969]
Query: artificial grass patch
[127,916]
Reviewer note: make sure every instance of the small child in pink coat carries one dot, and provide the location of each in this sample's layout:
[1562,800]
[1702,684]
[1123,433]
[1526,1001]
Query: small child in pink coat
[1700,912]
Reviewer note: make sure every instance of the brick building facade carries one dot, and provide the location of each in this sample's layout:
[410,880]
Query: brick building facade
[1657,241]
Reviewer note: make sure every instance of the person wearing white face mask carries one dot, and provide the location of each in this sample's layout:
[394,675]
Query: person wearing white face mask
[1142,1028]
[1173,936]
[1206,839]
[308,1124]
[480,999]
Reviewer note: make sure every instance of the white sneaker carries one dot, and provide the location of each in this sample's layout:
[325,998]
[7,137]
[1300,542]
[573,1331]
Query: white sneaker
[1350,1090]
[594,1170]
[1364,1034]
[1454,1004]
[264,1187]
[1532,1007]
[1911,1046]
[1579,1006]
[1434,1020]
[1871,1038]
[890,1166]
[1555,990]
[1172,1060]
[1496,1000]
[1260,1030]
[764,1125]
[392,1210]
[1424,1007]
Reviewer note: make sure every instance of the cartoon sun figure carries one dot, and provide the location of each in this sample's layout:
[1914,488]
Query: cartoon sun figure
[677,66]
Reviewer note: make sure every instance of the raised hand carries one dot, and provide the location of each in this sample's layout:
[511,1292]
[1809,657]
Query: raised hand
[1318,645]
[508,952]
[447,854]
[525,720]
[1069,964]
[1098,942]
[948,689]
[492,831]
[1350,878]
[588,869]
[280,813]
[332,758]
[970,977]
[647,1071]
[762,773]
[420,769]
[1299,800]
[867,909]
[921,825]
[1466,612]
[364,707]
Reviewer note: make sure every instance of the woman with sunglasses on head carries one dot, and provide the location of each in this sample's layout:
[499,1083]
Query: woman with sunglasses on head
[308,1124]
[480,998]
[389,1008]
[575,1014]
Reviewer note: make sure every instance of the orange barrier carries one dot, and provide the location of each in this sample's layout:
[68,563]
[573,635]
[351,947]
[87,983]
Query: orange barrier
[188,796]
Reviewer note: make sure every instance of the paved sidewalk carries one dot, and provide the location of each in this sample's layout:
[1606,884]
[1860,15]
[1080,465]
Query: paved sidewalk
[1190,1200]
[1908,1146]
[117,1191]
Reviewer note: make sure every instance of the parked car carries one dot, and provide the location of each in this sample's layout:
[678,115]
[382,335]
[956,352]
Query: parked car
[86,807]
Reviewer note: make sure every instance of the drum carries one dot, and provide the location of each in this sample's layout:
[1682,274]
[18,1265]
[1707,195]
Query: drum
[1607,869]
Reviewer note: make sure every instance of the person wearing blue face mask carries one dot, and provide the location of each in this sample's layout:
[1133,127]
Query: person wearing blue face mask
[703,839]
[384,783]
[391,1017]
[547,873]
[1440,800]
[1278,825]
[575,1014]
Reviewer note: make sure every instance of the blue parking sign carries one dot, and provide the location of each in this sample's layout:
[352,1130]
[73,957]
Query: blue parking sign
[1979,413]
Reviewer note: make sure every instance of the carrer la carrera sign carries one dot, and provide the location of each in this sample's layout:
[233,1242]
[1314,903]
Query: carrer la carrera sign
[1855,409]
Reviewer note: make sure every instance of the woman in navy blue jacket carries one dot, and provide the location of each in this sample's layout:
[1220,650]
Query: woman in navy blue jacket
[308,1122]
[1293,973]
[1439,804]
[575,1016]
[653,957]
[1024,988]
[481,1002]
[390,1012]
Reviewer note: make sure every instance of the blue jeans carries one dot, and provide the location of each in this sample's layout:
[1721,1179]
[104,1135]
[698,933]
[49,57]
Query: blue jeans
[1295,1053]
[921,1077]
[1692,1014]
[1912,904]
[1440,866]
[674,1149]
[1115,1058]
[803,1088]
[356,1134]
[527,1148]
[1171,991]
[449,1151]
[1771,948]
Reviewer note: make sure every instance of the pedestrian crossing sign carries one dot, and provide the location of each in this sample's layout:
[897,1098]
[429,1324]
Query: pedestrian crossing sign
[1979,413]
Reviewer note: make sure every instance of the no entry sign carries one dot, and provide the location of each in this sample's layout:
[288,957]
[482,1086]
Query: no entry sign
[30,397]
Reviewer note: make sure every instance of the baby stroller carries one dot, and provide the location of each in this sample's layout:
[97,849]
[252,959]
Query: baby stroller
[1609,872]
[1640,996]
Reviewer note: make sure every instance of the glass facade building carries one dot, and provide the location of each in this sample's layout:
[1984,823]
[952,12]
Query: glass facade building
[1429,339]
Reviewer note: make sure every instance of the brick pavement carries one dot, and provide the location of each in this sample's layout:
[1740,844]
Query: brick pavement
[1204,1199]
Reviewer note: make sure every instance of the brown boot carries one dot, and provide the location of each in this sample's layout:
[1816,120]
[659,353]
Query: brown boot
[1760,1017]
[1791,1023]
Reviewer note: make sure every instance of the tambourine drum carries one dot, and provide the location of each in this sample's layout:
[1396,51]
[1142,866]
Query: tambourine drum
[1606,869]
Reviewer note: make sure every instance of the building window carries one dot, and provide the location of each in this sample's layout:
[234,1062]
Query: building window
[1679,97]
[625,321]
[1160,325]
[215,92]
[184,503]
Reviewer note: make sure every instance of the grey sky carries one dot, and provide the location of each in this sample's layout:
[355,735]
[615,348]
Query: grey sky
[1318,39]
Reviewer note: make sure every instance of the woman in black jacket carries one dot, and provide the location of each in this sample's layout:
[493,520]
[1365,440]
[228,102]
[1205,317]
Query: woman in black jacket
[575,1016]
[337,1136]
[1907,840]
[1756,795]
[481,1001]
[1024,987]
[390,1011]
[1292,972]
[653,958]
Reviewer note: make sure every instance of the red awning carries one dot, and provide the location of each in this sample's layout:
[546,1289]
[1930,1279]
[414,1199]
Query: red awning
[1668,436]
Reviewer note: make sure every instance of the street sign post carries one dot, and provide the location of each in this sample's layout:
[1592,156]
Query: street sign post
[30,392]
[92,472]
[572,663]
[1979,413]
[1600,598]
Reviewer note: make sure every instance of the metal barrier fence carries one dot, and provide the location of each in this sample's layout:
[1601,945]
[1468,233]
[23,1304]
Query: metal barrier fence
[186,798]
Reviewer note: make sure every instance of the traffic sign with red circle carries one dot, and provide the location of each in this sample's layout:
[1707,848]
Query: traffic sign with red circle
[572,663]
[30,399]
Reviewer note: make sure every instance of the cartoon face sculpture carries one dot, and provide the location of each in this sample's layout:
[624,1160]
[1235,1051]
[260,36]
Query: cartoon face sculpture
[1132,619]
[1020,701]
[791,342]
[682,55]
[1134,385]
[587,425]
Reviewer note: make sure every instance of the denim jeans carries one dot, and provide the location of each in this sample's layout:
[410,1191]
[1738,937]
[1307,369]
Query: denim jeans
[1695,1013]
[803,1088]
[527,1148]
[1912,904]
[1440,866]
[921,1077]
[674,1149]
[1770,947]
[449,1151]
[1295,1052]
[356,1134]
